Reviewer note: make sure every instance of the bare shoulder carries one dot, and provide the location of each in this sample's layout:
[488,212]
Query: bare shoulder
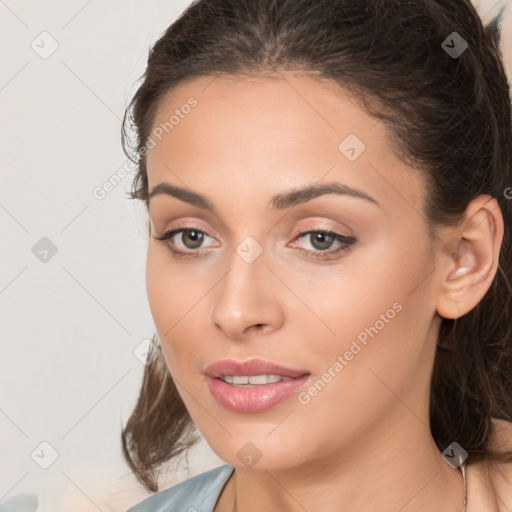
[501,473]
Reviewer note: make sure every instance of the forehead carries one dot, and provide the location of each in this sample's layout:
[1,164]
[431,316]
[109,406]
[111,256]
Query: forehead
[258,105]
[278,130]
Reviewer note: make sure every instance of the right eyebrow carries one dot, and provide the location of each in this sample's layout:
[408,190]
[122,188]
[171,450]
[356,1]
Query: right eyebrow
[182,194]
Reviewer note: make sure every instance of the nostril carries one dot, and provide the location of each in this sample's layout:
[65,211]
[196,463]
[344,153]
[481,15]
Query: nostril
[256,327]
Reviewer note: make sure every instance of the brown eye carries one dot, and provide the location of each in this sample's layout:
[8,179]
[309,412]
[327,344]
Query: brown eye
[191,240]
[192,237]
[321,241]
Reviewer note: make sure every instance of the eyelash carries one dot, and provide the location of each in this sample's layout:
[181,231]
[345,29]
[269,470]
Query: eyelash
[344,240]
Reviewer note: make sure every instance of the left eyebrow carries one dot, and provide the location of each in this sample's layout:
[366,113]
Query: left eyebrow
[278,202]
[303,195]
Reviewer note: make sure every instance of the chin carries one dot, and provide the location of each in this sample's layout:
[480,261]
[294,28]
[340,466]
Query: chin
[256,452]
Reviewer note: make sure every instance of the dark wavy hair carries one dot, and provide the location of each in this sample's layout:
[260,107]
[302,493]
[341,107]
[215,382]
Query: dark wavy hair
[449,116]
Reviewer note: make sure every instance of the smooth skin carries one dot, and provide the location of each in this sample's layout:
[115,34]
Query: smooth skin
[363,442]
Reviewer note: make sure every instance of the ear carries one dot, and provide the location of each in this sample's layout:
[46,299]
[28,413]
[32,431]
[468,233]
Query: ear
[469,259]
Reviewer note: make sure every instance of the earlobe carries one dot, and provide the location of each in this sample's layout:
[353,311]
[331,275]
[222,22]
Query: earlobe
[471,260]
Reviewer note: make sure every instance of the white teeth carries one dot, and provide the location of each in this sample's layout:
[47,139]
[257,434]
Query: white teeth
[263,379]
[255,380]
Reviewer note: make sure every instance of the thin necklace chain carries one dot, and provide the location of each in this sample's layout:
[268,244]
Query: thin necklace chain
[462,468]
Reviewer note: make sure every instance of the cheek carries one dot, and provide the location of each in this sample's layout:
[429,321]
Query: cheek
[378,310]
[171,295]
[377,352]
[160,289]
[386,275]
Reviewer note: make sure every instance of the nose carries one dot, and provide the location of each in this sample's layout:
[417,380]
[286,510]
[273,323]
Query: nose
[247,300]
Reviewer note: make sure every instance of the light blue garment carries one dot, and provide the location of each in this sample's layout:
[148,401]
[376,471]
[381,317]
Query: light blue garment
[196,494]
[19,503]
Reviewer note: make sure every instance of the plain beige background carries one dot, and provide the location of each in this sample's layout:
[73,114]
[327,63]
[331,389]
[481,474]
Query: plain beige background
[74,312]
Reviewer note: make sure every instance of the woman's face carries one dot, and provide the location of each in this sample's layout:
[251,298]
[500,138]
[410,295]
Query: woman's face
[355,314]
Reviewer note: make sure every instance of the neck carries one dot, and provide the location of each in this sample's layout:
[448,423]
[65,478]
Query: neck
[383,468]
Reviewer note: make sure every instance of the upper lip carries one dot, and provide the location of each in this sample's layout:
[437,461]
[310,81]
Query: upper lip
[250,367]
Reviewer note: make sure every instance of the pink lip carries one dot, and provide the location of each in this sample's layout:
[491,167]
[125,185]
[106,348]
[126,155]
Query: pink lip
[253,399]
[250,367]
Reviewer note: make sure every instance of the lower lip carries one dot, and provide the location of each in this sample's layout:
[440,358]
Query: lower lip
[257,398]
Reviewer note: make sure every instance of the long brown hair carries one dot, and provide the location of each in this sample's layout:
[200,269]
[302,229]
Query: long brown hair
[450,116]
